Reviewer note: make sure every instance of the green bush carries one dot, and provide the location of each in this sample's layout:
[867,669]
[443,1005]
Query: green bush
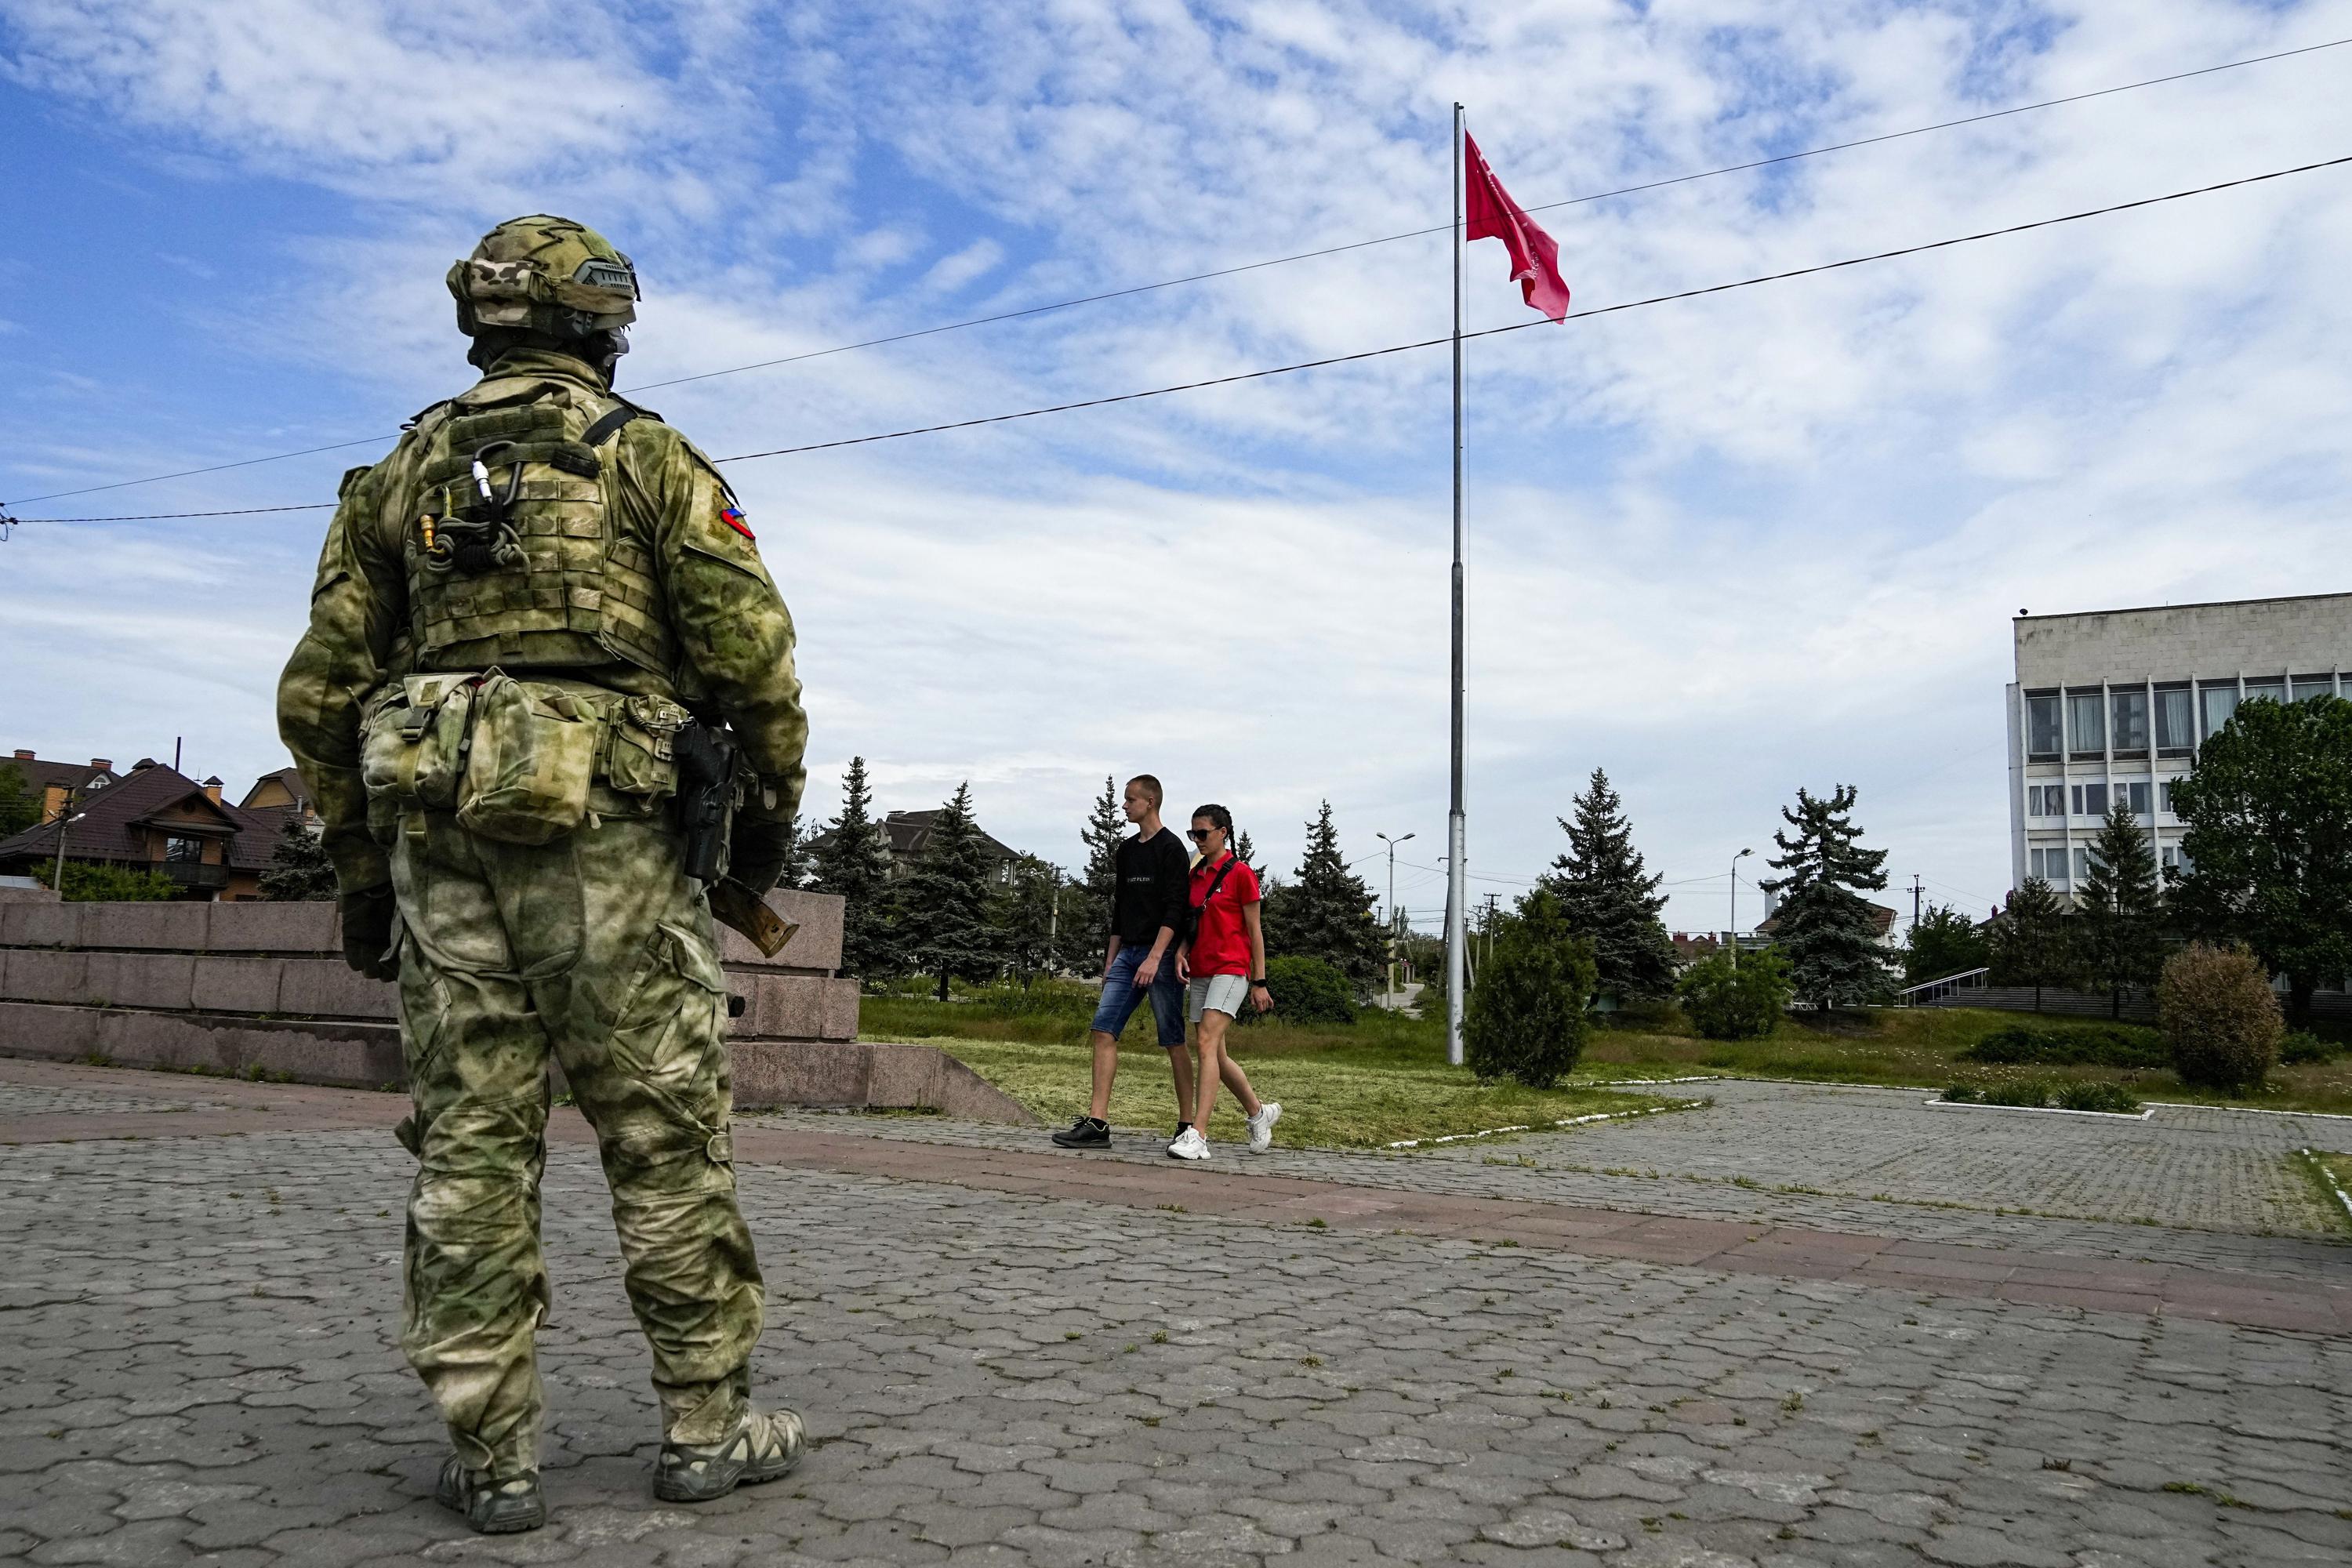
[1526,1018]
[1307,991]
[2108,1096]
[96,884]
[2033,1091]
[2303,1049]
[1962,1093]
[2221,1017]
[2093,1044]
[1740,1001]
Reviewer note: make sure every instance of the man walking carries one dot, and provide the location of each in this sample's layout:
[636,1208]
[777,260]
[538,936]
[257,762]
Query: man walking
[527,619]
[1148,909]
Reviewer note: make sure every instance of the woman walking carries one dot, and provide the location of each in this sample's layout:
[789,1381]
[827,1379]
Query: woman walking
[1225,957]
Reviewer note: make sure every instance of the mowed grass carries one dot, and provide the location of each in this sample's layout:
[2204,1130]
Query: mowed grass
[1360,1085]
[2332,1176]
[1922,1046]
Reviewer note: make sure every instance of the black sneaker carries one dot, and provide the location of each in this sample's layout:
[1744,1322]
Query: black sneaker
[1085,1132]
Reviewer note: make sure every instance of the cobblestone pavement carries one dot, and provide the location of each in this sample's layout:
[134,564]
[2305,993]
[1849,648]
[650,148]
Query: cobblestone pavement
[2204,1187]
[201,1368]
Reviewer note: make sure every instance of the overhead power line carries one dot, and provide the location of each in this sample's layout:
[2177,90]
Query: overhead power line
[1275,261]
[1421,343]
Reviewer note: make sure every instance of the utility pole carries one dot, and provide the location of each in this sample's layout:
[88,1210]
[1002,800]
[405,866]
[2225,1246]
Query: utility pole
[1734,932]
[1396,932]
[1914,901]
[66,817]
[1492,916]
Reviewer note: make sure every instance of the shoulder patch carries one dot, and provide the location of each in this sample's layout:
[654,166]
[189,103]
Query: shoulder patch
[733,518]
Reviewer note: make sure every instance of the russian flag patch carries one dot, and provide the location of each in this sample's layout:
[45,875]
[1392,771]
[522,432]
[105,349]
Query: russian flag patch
[734,520]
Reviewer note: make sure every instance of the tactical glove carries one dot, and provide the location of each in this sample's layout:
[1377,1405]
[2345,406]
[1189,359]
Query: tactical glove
[367,932]
[757,854]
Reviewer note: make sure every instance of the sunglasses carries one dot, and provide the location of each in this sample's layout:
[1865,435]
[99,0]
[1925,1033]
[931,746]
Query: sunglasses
[1200,836]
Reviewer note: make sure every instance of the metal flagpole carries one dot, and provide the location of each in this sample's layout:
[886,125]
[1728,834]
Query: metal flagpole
[1456,886]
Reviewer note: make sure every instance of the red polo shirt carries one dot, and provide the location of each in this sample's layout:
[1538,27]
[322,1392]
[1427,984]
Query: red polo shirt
[1222,945]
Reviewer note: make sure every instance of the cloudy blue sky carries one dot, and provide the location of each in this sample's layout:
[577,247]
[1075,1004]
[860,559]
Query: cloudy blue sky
[1721,548]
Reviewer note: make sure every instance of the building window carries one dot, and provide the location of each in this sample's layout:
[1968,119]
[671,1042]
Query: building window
[2221,702]
[2090,800]
[2274,690]
[2175,732]
[2130,718]
[2307,687]
[2082,865]
[2050,865]
[2164,793]
[2042,725]
[2086,728]
[2134,795]
[2045,800]
[2176,859]
[184,851]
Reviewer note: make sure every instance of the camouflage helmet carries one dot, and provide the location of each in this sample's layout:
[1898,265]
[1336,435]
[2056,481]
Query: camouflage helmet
[545,275]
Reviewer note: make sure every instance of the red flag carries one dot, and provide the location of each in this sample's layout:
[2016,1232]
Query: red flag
[1493,215]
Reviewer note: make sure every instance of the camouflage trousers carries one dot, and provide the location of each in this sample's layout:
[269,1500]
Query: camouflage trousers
[598,948]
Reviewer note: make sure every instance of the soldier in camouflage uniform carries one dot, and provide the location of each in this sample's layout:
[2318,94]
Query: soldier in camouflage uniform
[516,612]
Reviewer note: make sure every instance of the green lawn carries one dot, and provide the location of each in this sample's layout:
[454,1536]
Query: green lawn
[2334,1175]
[1384,1078]
[1922,1046]
[1341,1087]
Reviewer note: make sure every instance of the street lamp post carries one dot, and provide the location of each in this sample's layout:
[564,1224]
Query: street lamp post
[1736,859]
[66,817]
[1394,929]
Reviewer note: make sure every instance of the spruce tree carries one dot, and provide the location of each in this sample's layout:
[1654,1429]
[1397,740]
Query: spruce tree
[1086,919]
[1325,911]
[1824,927]
[1022,911]
[942,904]
[794,873]
[2119,911]
[299,868]
[2030,941]
[851,863]
[1607,898]
[1243,850]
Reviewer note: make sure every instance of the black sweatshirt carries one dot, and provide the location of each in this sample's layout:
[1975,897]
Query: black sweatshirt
[1154,888]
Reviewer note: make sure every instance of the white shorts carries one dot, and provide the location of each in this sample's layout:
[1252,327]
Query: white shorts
[1218,994]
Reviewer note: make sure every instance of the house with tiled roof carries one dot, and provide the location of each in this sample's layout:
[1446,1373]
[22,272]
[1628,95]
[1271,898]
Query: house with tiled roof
[905,834]
[54,782]
[155,818]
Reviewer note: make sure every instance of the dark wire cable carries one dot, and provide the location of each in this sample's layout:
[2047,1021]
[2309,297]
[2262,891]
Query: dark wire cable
[1274,261]
[1408,348]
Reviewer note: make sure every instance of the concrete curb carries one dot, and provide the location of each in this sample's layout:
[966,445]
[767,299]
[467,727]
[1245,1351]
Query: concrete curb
[1940,1103]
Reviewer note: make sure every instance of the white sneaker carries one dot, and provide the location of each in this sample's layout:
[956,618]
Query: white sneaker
[1189,1145]
[1261,1126]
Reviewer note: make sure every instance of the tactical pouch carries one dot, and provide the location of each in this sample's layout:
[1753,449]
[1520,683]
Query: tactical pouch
[413,748]
[639,756]
[533,755]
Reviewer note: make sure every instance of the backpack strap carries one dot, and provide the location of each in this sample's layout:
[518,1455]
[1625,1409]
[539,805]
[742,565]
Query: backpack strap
[608,424]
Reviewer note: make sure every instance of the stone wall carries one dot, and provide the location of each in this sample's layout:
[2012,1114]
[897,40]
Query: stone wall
[262,988]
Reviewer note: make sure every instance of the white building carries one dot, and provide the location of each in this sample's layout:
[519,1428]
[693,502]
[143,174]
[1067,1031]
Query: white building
[2111,706]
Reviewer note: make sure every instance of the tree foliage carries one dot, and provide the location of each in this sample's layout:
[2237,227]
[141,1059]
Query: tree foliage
[1943,941]
[1023,912]
[1823,926]
[852,863]
[20,803]
[1740,1000]
[2220,1018]
[2032,940]
[2119,910]
[1525,1015]
[1325,911]
[1608,899]
[2268,809]
[1307,991]
[298,869]
[1105,825]
[943,926]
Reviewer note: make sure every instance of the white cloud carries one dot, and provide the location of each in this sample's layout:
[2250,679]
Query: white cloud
[1723,547]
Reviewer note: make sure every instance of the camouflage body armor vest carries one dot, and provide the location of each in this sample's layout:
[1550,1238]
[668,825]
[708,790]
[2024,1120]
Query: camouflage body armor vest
[515,552]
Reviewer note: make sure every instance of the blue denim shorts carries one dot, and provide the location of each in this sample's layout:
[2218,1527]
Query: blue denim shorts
[1122,996]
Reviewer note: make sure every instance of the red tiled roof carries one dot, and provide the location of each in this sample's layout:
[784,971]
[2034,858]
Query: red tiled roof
[43,772]
[111,822]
